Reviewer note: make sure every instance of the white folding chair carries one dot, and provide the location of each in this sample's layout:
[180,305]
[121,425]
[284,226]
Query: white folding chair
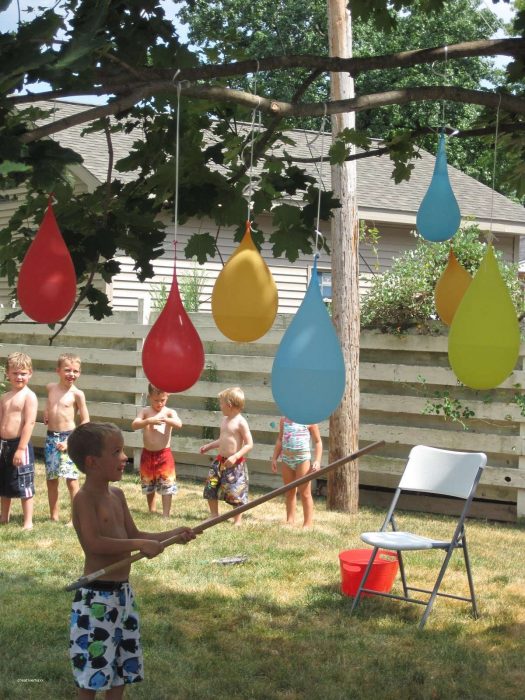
[431,471]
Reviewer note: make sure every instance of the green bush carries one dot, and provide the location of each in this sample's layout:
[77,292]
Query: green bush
[191,284]
[404,296]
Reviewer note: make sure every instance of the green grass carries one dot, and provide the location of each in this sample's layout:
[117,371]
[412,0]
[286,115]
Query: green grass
[275,627]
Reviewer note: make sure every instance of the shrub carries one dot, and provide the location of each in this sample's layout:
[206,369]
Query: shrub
[191,285]
[404,296]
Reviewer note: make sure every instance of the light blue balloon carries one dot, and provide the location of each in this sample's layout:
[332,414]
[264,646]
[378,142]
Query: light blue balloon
[308,373]
[439,217]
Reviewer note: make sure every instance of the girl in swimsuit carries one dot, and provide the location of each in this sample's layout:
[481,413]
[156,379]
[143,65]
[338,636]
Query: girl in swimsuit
[292,449]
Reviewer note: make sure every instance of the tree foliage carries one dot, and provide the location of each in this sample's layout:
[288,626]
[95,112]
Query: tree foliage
[129,51]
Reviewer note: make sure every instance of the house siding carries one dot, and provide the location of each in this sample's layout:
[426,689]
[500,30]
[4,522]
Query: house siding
[291,278]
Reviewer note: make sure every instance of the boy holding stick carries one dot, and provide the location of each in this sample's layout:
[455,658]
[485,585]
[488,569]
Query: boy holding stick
[105,648]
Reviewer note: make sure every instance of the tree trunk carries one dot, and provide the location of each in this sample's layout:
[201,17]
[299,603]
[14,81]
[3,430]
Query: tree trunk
[343,484]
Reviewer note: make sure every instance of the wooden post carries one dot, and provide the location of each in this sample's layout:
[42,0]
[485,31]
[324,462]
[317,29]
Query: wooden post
[343,484]
[143,314]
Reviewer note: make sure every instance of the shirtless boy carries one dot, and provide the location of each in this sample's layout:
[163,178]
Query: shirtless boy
[64,401]
[105,649]
[228,476]
[157,466]
[18,408]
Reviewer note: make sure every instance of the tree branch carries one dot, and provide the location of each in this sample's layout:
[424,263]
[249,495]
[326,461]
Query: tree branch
[493,100]
[108,84]
[514,47]
[373,153]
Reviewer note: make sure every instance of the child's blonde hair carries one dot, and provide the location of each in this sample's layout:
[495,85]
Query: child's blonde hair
[234,396]
[155,390]
[67,357]
[18,360]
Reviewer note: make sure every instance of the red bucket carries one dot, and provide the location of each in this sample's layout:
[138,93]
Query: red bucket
[382,574]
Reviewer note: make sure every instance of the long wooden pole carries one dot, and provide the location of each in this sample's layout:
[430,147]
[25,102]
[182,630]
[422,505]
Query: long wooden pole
[211,522]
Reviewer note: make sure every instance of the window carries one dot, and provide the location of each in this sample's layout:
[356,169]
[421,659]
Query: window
[325,284]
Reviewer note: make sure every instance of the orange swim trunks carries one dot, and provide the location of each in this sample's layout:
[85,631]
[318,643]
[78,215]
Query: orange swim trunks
[157,472]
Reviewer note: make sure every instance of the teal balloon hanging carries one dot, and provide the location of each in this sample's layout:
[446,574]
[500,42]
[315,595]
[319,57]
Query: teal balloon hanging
[308,373]
[438,217]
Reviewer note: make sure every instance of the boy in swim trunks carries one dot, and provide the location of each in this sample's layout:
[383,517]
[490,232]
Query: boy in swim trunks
[18,408]
[228,476]
[64,401]
[105,649]
[292,448]
[157,466]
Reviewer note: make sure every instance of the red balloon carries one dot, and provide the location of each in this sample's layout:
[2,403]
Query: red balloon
[47,283]
[173,355]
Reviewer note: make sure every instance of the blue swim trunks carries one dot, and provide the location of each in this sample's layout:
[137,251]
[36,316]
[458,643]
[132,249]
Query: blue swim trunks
[104,641]
[58,463]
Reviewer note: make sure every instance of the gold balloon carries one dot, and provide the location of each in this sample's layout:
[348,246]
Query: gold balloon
[484,338]
[244,300]
[450,288]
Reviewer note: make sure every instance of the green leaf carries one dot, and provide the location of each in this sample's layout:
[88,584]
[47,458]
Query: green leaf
[202,246]
[8,166]
[338,153]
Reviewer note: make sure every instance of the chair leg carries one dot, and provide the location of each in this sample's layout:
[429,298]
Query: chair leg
[402,573]
[435,590]
[363,580]
[469,577]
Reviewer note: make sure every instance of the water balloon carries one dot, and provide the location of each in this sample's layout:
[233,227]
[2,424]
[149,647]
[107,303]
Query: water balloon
[244,300]
[47,283]
[308,373]
[173,355]
[438,217]
[450,288]
[484,338]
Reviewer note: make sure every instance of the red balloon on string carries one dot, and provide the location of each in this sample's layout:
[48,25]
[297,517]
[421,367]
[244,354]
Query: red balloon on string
[47,283]
[173,355]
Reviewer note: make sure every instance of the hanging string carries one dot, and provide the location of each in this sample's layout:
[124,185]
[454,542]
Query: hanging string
[252,179]
[176,197]
[490,237]
[319,169]
[247,191]
[445,78]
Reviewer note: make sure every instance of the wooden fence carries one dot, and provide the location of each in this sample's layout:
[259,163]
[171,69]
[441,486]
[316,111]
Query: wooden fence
[399,378]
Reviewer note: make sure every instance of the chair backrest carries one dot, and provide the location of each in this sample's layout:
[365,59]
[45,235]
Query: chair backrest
[444,472]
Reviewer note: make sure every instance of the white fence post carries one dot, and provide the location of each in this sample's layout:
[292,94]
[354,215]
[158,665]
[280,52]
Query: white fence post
[143,315]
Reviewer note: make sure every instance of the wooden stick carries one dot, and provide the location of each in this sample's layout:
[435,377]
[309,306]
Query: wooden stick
[211,522]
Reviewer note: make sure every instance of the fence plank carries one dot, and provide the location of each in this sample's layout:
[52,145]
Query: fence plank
[399,375]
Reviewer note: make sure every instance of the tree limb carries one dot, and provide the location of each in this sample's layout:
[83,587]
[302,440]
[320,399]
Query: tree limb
[372,153]
[493,100]
[107,83]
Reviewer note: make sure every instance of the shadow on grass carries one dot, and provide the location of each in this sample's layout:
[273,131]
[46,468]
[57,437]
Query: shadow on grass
[206,644]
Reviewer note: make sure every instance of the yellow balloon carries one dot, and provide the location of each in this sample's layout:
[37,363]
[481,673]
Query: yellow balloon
[450,288]
[244,299]
[484,338]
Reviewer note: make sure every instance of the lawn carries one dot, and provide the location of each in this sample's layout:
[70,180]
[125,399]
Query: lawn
[276,626]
